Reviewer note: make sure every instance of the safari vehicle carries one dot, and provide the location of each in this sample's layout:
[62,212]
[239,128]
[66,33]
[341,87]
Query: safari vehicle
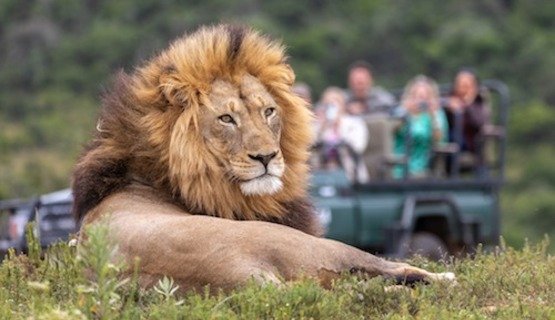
[447,213]
[51,213]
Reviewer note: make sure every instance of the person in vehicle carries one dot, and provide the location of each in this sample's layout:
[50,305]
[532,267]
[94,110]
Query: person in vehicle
[426,125]
[362,88]
[470,103]
[341,136]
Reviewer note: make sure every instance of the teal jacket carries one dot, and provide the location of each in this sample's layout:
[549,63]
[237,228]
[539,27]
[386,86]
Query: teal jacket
[421,129]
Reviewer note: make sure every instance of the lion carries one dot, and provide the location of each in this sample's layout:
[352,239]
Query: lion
[200,162]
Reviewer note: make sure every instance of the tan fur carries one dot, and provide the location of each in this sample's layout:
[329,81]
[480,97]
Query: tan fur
[210,127]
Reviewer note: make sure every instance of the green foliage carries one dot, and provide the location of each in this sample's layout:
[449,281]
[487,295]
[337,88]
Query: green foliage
[66,284]
[32,238]
[98,255]
[527,200]
[532,122]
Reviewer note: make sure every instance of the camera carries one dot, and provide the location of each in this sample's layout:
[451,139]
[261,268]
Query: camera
[423,105]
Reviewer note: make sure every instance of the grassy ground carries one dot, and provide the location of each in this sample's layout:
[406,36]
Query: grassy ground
[508,284]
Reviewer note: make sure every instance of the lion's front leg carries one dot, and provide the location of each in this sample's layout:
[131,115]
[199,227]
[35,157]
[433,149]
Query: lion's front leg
[329,259]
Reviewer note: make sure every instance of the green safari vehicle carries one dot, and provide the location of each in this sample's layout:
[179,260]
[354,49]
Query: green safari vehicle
[444,214]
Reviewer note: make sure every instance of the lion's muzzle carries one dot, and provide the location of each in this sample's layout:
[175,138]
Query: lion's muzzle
[268,181]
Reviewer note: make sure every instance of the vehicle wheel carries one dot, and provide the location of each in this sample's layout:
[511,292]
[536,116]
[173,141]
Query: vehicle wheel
[427,245]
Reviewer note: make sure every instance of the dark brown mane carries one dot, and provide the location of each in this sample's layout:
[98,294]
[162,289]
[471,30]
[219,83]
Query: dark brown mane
[96,177]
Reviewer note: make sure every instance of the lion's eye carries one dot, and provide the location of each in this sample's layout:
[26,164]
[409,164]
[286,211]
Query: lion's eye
[227,119]
[269,112]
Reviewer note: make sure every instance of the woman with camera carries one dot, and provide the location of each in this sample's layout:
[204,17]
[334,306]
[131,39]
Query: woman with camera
[424,125]
[342,136]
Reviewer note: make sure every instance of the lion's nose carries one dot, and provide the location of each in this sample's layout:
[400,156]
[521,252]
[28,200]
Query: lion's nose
[264,158]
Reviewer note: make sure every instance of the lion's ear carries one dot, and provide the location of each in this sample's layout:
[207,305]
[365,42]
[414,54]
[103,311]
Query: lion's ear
[171,87]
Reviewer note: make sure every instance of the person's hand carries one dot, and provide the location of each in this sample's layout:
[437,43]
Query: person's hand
[455,104]
[411,106]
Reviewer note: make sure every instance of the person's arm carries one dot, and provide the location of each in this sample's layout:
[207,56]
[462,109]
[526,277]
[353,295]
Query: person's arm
[478,114]
[436,130]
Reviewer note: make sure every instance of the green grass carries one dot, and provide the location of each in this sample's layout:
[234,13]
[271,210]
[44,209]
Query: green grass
[57,284]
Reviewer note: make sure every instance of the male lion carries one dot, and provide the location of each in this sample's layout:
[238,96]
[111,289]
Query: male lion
[200,161]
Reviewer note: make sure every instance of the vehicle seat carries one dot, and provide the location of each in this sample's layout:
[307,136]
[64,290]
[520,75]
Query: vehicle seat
[378,156]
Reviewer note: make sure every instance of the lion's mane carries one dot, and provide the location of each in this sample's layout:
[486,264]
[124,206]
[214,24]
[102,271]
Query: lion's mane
[143,138]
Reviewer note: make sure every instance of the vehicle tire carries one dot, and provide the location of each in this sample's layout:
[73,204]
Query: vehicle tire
[428,245]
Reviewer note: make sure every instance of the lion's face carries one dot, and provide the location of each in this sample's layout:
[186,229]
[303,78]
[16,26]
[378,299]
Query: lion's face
[241,127]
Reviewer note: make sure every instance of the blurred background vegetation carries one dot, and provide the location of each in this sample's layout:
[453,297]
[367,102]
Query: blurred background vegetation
[56,58]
